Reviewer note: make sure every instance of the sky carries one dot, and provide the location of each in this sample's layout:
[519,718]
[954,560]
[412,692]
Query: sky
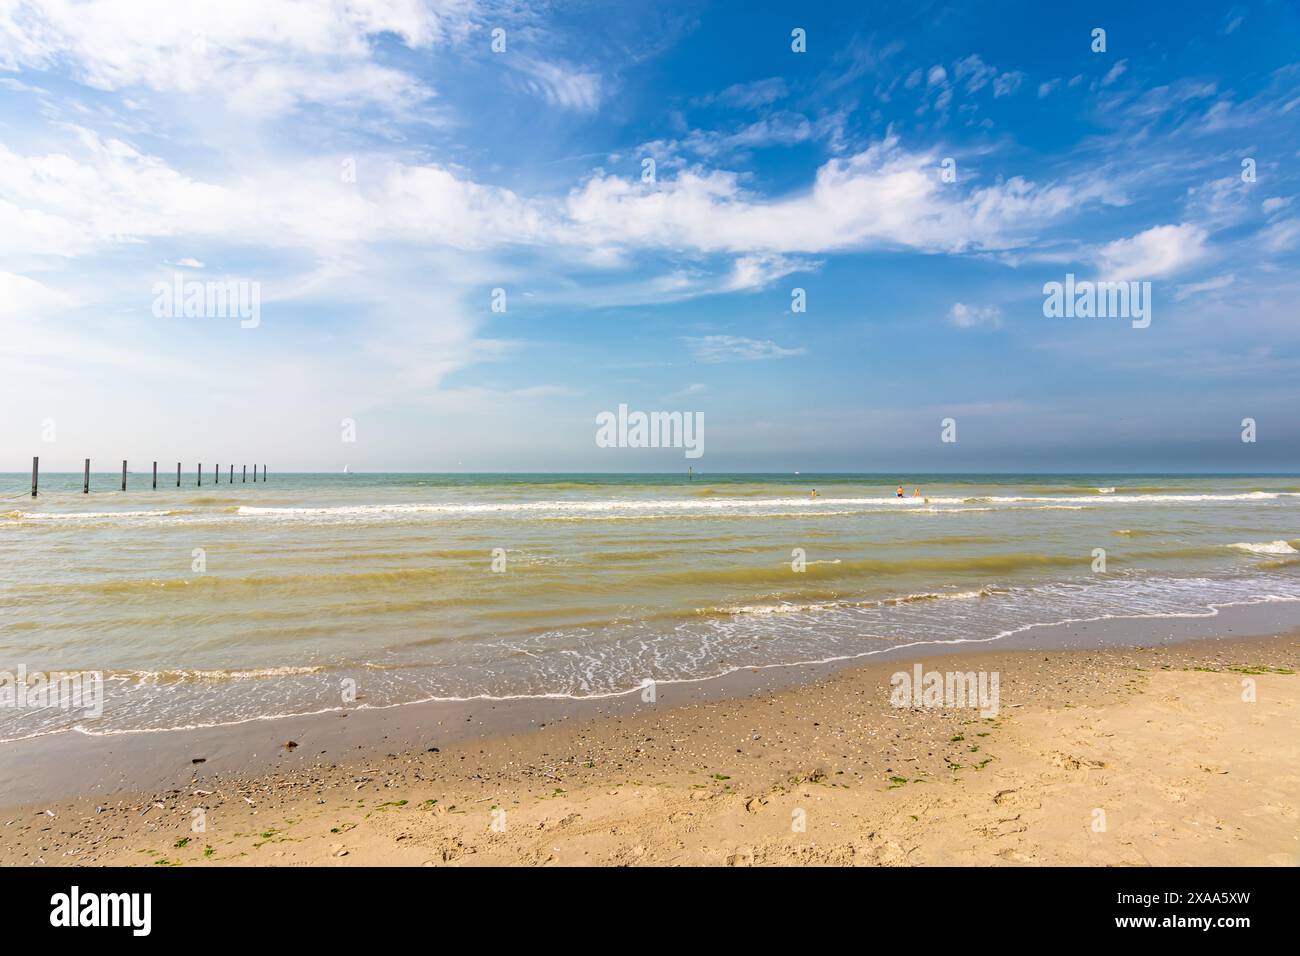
[472,227]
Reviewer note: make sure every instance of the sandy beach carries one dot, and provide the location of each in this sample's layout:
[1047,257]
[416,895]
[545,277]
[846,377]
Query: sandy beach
[1114,756]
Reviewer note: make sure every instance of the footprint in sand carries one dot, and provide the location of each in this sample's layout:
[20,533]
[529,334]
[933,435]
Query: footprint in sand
[1017,798]
[1002,827]
[1067,762]
[1271,809]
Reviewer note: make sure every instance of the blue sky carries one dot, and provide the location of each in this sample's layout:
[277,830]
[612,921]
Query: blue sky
[377,169]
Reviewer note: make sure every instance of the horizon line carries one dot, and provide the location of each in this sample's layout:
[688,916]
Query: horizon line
[697,474]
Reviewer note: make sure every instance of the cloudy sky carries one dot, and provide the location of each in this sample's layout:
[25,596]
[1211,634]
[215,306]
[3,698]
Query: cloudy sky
[648,185]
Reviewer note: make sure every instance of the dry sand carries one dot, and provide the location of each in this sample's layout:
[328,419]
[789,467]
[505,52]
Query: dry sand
[1108,757]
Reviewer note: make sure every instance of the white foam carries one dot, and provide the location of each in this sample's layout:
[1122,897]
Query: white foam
[795,607]
[1112,498]
[742,505]
[180,676]
[1266,547]
[85,515]
[1209,609]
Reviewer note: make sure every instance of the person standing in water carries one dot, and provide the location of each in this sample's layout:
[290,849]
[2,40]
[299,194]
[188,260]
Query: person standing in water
[899,493]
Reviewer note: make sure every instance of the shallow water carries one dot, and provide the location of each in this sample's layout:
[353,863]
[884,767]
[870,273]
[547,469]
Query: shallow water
[388,581]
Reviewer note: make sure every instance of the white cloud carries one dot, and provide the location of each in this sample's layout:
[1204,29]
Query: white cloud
[272,89]
[975,316]
[32,232]
[23,298]
[759,271]
[728,348]
[110,192]
[1154,253]
[106,193]
[882,197]
[103,192]
[265,55]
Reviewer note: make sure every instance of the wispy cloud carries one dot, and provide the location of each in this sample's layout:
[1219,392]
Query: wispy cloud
[1007,84]
[1114,73]
[1209,285]
[748,96]
[696,388]
[734,348]
[559,84]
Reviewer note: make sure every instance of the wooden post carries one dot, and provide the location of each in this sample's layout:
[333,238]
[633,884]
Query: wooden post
[124,474]
[200,474]
[85,479]
[232,475]
[178,474]
[216,474]
[245,479]
[155,475]
[36,469]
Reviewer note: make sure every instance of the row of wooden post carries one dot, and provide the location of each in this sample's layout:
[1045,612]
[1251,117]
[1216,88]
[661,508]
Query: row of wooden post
[85,484]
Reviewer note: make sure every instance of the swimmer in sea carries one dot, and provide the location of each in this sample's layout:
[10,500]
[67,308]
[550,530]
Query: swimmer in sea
[900,491]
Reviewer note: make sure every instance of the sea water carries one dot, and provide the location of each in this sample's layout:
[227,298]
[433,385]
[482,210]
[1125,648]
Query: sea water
[224,603]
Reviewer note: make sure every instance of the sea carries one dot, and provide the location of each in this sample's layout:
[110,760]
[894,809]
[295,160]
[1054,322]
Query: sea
[306,593]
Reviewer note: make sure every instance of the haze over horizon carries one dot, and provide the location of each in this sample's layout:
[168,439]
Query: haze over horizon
[378,170]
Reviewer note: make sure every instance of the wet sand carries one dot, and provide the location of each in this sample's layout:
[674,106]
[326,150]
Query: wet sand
[1102,753]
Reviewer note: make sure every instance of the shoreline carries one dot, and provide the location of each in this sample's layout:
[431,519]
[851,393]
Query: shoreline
[81,765]
[830,737]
